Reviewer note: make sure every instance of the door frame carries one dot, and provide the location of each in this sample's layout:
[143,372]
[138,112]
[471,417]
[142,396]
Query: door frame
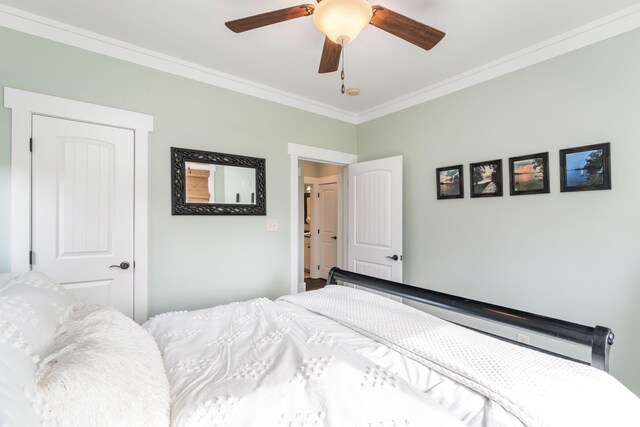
[24,105]
[299,152]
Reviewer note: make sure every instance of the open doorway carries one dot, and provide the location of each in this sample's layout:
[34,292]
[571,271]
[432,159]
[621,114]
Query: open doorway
[370,196]
[297,154]
[321,221]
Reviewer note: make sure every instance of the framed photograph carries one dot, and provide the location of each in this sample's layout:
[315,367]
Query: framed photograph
[486,178]
[529,174]
[450,182]
[586,168]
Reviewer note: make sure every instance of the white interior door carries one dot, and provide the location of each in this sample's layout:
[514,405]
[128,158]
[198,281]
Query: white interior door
[375,218]
[82,209]
[328,227]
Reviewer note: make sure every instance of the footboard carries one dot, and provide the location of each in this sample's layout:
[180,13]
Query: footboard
[598,338]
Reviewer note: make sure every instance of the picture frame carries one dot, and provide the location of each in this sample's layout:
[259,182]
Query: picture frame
[586,168]
[450,182]
[193,170]
[486,179]
[529,174]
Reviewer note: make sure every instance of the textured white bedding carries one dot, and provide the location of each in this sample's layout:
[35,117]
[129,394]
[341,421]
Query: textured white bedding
[32,307]
[273,363]
[65,364]
[541,390]
[104,370]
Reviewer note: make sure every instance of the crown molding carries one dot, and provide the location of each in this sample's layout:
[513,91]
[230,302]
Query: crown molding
[610,26]
[594,32]
[36,25]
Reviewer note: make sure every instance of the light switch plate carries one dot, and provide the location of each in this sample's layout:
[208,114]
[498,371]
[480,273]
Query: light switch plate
[272,224]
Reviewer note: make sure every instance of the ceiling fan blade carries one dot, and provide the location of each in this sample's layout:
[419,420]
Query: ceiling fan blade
[330,59]
[264,19]
[406,28]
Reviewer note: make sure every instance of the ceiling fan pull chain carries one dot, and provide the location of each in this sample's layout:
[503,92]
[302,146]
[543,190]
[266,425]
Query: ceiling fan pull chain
[342,88]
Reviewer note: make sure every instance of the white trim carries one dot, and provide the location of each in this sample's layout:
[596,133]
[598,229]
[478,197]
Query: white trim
[609,26]
[23,106]
[322,155]
[19,20]
[345,218]
[594,32]
[299,152]
[54,106]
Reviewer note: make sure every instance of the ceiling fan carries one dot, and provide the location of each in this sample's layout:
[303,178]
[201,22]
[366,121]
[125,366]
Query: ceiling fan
[341,21]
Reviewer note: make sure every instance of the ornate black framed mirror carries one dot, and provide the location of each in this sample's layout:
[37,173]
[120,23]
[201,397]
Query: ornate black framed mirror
[208,183]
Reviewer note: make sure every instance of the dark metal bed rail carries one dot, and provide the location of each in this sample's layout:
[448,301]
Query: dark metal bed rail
[599,339]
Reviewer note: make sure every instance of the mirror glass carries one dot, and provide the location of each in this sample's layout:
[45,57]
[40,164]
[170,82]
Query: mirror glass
[220,184]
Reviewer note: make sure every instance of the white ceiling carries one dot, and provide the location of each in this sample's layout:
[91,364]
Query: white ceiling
[285,56]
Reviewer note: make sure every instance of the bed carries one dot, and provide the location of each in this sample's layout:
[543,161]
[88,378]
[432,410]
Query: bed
[338,356]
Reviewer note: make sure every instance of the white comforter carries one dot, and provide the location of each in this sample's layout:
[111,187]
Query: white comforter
[541,390]
[264,363]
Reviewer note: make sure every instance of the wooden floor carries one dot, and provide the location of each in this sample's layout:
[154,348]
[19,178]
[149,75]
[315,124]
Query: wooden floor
[313,284]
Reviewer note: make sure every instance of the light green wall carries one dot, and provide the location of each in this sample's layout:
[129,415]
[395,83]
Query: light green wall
[572,255]
[194,261]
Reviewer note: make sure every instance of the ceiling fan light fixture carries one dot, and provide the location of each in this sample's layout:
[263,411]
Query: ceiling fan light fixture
[342,20]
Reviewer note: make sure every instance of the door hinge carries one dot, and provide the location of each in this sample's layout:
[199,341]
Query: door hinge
[318,267]
[318,231]
[318,195]
[31,145]
[32,257]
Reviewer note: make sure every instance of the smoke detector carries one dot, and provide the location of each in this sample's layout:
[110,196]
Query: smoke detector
[353,91]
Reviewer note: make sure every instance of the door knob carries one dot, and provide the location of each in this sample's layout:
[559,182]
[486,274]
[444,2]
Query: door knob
[394,257]
[123,265]
[334,237]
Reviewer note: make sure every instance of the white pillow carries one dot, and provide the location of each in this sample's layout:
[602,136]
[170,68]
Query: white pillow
[19,406]
[105,370]
[31,309]
[6,278]
[36,305]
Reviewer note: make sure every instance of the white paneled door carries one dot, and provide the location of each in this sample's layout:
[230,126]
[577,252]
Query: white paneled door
[328,227]
[83,209]
[375,218]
